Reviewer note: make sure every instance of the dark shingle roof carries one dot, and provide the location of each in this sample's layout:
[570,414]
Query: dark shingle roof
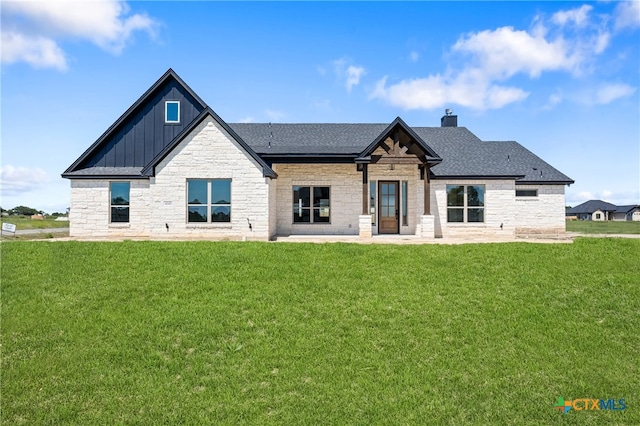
[95,172]
[591,206]
[463,153]
[276,138]
[626,209]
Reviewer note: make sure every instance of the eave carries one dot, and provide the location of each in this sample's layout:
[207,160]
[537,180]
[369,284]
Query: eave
[149,169]
[129,112]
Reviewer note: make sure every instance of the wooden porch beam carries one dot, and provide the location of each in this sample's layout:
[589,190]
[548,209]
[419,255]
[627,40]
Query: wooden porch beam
[427,190]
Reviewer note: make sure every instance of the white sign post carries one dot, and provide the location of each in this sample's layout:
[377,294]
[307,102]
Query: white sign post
[8,227]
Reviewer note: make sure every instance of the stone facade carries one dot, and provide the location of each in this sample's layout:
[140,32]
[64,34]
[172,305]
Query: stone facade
[544,214]
[499,209]
[158,206]
[345,183]
[90,209]
[263,208]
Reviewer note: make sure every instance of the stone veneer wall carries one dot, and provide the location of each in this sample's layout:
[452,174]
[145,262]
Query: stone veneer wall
[544,214]
[207,153]
[89,213]
[500,208]
[210,153]
[345,183]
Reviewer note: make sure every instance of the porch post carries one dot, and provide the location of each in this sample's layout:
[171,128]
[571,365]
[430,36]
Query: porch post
[365,190]
[426,228]
[364,220]
[427,190]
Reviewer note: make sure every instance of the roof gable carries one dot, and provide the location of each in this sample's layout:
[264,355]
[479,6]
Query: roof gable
[149,169]
[141,133]
[403,140]
[591,206]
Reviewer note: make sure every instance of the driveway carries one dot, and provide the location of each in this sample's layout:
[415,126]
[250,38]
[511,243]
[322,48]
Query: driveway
[38,231]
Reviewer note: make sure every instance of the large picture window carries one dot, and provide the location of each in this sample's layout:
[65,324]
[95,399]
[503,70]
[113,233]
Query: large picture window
[465,203]
[311,204]
[119,201]
[209,200]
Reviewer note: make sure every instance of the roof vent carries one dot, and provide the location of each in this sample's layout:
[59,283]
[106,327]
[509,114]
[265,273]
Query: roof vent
[449,120]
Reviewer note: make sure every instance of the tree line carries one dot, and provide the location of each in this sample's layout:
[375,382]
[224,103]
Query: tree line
[28,211]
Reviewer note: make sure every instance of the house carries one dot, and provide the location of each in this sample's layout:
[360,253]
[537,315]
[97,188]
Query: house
[630,212]
[171,167]
[598,210]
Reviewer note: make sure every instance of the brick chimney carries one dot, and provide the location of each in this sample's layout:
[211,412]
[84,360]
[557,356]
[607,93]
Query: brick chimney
[449,120]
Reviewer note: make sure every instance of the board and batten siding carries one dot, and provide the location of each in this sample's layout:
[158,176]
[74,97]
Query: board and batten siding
[140,138]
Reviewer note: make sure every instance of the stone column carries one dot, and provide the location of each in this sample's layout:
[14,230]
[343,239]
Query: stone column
[364,225]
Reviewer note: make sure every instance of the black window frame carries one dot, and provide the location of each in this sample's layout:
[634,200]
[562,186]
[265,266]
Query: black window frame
[315,212]
[465,208]
[526,193]
[119,210]
[209,205]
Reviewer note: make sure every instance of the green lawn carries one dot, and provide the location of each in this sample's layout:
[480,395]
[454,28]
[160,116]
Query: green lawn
[318,334]
[28,223]
[610,227]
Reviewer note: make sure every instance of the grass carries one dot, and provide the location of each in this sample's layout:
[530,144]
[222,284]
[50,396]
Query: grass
[28,223]
[610,227]
[258,333]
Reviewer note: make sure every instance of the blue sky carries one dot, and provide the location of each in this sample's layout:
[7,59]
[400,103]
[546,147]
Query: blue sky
[561,78]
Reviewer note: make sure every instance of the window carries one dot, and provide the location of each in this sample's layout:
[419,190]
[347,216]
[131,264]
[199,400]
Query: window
[405,211]
[209,200]
[372,201]
[465,203]
[598,216]
[119,196]
[311,204]
[172,112]
[526,192]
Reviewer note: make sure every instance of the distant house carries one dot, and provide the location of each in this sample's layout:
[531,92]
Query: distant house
[171,167]
[630,212]
[598,210]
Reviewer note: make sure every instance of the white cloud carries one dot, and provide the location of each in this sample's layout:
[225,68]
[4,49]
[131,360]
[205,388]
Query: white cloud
[554,99]
[469,89]
[15,180]
[41,25]
[627,15]
[504,52]
[603,94]
[353,76]
[247,119]
[566,42]
[611,92]
[414,56]
[601,42]
[578,16]
[345,70]
[39,52]
[620,198]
